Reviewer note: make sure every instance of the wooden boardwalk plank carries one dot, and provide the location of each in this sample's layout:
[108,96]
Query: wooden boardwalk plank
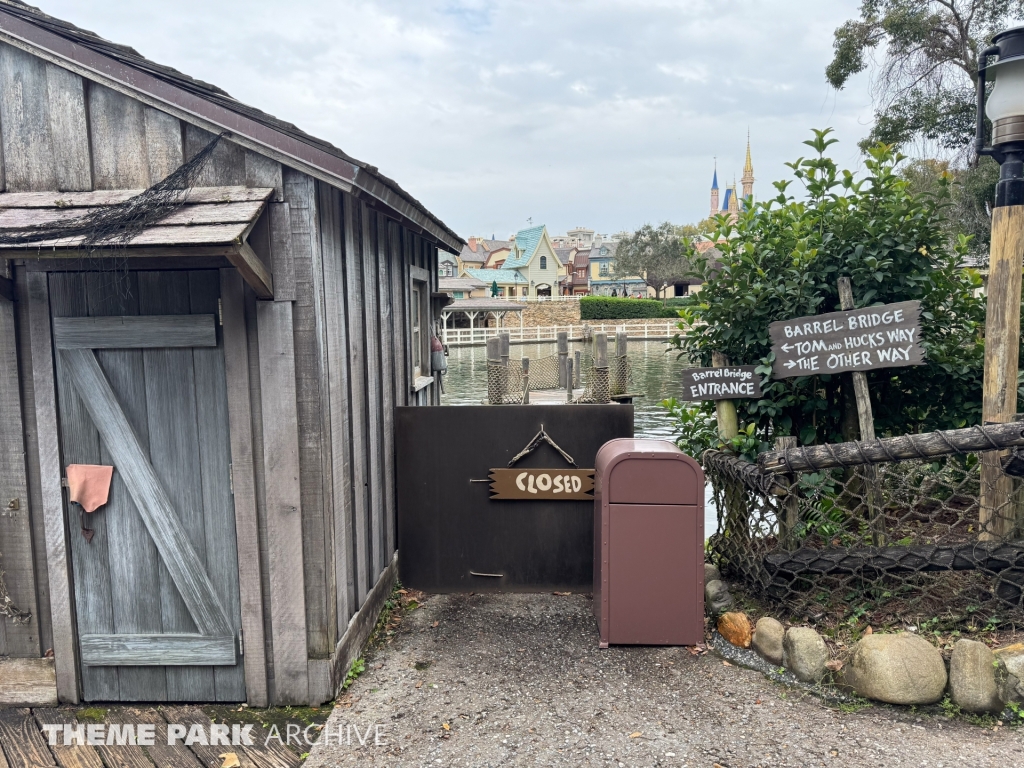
[22,740]
[122,756]
[75,755]
[164,755]
[208,755]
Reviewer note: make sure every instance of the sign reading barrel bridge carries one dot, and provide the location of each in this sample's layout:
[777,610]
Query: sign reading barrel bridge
[888,336]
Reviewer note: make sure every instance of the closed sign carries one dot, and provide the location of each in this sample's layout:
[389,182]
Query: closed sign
[565,484]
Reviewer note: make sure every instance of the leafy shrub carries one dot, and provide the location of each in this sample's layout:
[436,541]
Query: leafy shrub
[782,258]
[611,308]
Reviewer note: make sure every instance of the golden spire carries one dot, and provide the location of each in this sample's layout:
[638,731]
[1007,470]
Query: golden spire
[748,173]
[748,166]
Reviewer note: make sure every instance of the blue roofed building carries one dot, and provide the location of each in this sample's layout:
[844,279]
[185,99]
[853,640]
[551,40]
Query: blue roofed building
[532,267]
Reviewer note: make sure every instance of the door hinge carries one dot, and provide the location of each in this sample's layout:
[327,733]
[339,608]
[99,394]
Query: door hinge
[220,312]
[231,478]
[241,646]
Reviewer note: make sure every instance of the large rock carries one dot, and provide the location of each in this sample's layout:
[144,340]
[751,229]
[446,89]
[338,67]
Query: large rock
[711,573]
[735,627]
[767,640]
[972,677]
[717,599]
[804,654]
[1009,672]
[898,669]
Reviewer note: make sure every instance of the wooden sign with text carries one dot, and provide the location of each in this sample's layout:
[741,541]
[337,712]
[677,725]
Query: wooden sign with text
[554,484]
[731,382]
[858,340]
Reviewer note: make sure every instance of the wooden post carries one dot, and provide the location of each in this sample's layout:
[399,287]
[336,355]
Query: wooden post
[505,341]
[578,367]
[737,519]
[526,381]
[619,383]
[494,388]
[876,504]
[563,356]
[790,517]
[725,410]
[1002,338]
[601,383]
[568,380]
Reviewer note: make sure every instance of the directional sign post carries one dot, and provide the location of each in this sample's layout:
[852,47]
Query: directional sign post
[857,340]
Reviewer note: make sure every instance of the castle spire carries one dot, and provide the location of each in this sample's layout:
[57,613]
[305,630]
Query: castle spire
[714,190]
[748,174]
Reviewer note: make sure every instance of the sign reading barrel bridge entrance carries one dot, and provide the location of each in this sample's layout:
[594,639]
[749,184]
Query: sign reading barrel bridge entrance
[888,336]
[731,382]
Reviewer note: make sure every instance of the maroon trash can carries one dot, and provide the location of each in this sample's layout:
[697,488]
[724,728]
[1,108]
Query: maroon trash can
[648,544]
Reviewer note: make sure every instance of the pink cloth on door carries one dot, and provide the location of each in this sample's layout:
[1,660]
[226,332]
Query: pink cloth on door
[89,485]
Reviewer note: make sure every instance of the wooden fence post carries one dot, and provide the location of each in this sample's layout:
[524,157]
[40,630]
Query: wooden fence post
[790,517]
[526,381]
[876,503]
[495,390]
[998,513]
[563,356]
[578,368]
[568,380]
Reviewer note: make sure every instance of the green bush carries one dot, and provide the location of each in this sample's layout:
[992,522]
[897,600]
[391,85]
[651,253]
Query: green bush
[781,259]
[611,308]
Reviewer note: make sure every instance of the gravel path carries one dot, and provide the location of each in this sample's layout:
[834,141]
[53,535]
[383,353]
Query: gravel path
[519,680]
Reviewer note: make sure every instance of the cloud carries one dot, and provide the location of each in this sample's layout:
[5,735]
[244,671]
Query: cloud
[606,112]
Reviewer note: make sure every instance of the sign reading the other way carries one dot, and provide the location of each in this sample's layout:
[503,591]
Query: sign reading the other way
[858,340]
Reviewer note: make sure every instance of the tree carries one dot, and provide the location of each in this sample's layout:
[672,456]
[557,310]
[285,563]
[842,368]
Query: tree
[926,84]
[655,254]
[782,259]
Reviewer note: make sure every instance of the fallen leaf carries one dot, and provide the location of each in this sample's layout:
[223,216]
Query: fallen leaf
[726,663]
[48,654]
[403,591]
[562,594]
[446,726]
[230,760]
[419,683]
[635,735]
[835,664]
[412,605]
[869,630]
[435,623]
[758,701]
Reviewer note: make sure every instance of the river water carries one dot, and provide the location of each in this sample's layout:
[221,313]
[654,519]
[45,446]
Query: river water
[656,376]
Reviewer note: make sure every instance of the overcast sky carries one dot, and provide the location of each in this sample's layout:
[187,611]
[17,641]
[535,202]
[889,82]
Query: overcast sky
[601,113]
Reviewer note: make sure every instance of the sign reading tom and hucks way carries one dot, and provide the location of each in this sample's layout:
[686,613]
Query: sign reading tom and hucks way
[728,383]
[888,336]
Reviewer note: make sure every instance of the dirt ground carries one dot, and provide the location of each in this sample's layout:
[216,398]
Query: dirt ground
[489,680]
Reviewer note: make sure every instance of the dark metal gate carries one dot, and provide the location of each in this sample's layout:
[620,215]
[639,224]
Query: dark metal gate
[453,537]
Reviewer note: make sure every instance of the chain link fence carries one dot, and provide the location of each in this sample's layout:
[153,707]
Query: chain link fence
[896,541]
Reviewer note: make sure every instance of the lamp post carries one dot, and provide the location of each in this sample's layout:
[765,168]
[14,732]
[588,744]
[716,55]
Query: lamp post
[1005,108]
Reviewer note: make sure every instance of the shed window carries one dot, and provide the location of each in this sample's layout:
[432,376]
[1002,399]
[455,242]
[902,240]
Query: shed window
[417,328]
[543,262]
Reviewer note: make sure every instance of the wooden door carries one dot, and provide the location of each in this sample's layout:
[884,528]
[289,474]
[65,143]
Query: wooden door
[141,386]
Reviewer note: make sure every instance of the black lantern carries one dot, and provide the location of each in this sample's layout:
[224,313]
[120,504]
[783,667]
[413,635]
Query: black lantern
[1005,108]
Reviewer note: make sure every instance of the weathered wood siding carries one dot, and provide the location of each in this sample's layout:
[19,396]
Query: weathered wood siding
[325,363]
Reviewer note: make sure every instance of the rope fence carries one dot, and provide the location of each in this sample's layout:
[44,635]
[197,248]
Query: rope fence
[895,529]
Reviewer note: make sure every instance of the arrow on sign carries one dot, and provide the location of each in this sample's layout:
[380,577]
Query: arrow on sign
[791,363]
[787,347]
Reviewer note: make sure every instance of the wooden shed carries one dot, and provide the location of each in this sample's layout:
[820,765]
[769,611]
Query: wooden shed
[237,363]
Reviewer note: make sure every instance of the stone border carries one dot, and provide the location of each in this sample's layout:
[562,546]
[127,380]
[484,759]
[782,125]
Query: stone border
[901,669]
